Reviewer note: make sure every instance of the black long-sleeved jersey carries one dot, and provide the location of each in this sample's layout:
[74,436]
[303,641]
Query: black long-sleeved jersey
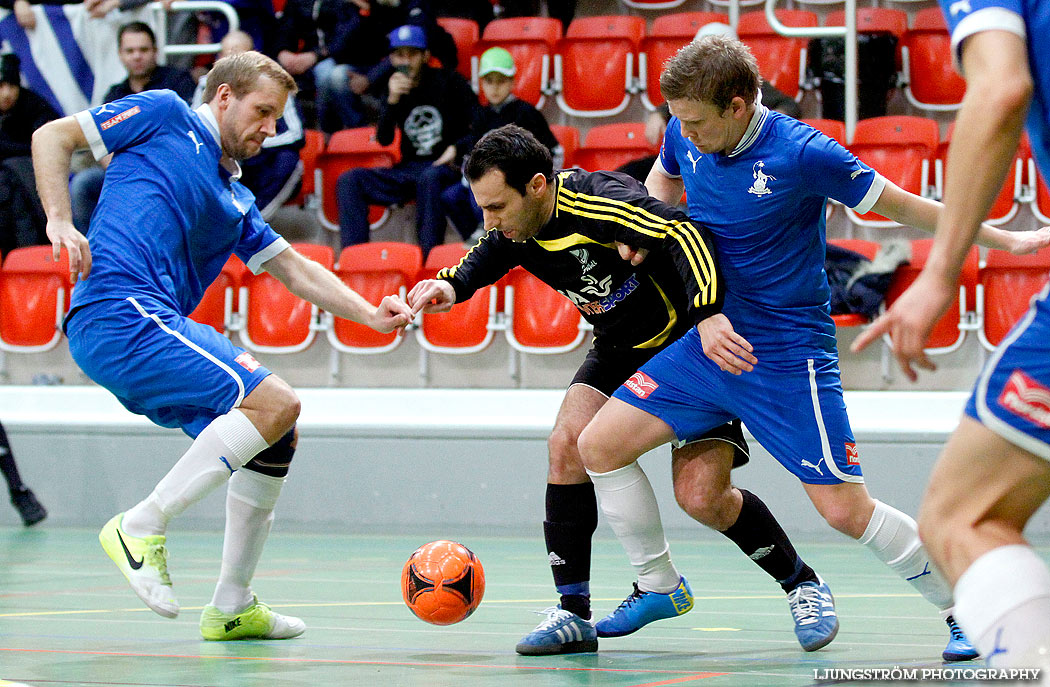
[575,253]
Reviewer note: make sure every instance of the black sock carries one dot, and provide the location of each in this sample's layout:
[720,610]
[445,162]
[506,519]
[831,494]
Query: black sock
[760,536]
[7,464]
[572,517]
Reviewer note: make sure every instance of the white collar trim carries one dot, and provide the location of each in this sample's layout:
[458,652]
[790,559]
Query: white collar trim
[212,124]
[754,128]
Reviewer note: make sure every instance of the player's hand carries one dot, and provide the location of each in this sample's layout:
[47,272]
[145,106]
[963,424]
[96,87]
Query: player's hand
[632,254]
[24,15]
[1025,242]
[446,157]
[431,295]
[724,346]
[64,235]
[909,321]
[391,313]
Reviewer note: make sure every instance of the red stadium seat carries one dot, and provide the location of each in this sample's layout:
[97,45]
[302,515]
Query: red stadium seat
[1008,200]
[950,331]
[531,41]
[313,146]
[831,128]
[273,319]
[34,297]
[931,81]
[668,33]
[539,319]
[652,4]
[900,148]
[346,150]
[868,249]
[569,138]
[373,270]
[469,326]
[610,145]
[220,298]
[781,60]
[875,20]
[1041,199]
[1006,284]
[594,68]
[465,33]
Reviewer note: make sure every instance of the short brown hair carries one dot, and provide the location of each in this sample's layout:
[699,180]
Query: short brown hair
[241,71]
[712,69]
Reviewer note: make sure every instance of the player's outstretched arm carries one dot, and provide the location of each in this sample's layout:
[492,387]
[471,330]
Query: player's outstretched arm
[431,295]
[310,281]
[53,147]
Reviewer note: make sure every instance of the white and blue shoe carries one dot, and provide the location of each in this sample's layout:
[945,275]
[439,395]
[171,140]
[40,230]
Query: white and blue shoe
[641,608]
[813,608]
[562,632]
[959,647]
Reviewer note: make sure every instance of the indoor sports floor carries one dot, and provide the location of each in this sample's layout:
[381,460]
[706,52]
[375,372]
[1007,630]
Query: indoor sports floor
[67,618]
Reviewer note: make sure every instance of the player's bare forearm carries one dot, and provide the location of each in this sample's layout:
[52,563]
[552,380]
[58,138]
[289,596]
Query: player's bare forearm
[53,146]
[663,187]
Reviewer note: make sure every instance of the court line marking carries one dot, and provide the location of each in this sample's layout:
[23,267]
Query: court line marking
[339,661]
[679,680]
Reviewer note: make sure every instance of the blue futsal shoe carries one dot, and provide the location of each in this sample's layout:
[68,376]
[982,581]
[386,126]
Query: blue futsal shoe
[959,647]
[813,608]
[563,632]
[641,608]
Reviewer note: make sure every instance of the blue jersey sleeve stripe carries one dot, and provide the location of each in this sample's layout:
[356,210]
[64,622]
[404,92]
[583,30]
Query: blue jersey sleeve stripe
[987,19]
[255,263]
[92,134]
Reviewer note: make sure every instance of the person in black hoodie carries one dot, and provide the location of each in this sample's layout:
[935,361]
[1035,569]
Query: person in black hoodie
[434,109]
[22,111]
[496,72]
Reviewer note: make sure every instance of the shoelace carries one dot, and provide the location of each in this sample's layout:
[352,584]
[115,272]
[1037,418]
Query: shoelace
[954,629]
[554,616]
[629,601]
[805,602]
[157,556]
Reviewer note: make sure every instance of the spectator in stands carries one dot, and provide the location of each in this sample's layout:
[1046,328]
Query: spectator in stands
[275,173]
[138,53]
[21,112]
[137,47]
[655,123]
[496,71]
[22,497]
[433,108]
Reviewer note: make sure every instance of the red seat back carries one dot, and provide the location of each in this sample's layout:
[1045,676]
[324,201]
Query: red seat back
[569,138]
[946,331]
[528,40]
[346,150]
[375,270]
[896,147]
[668,33]
[465,34]
[276,317]
[30,287]
[610,145]
[543,318]
[1006,202]
[466,324]
[212,308]
[931,76]
[1009,283]
[313,146]
[594,60]
[779,57]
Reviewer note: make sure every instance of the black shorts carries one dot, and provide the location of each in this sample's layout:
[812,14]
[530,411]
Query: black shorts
[604,370]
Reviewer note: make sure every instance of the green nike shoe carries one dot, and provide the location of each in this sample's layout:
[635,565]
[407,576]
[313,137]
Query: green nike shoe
[144,562]
[255,622]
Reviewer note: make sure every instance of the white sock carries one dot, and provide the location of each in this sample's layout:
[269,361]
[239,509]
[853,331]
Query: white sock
[1002,602]
[629,504]
[250,500]
[229,442]
[894,538]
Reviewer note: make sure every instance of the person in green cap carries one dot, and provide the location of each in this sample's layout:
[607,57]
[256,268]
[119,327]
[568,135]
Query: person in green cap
[496,72]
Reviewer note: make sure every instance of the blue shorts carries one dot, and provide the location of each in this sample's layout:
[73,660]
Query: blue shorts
[1012,395]
[794,408]
[175,371]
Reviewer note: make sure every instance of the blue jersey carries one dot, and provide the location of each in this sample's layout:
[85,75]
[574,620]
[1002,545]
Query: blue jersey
[170,214]
[764,205]
[1029,19]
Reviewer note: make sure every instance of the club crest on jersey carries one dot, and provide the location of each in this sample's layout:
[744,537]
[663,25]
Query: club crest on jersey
[113,121]
[248,362]
[1027,398]
[760,186]
[852,454]
[641,384]
[585,259]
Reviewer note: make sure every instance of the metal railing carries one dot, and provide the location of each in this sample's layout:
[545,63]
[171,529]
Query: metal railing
[161,17]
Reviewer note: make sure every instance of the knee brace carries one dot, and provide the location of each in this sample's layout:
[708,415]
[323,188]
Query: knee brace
[274,460]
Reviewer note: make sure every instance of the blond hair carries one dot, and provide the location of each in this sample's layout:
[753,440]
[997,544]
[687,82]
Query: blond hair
[713,69]
[242,71]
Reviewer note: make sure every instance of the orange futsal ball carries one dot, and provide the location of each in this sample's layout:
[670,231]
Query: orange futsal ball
[442,582]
